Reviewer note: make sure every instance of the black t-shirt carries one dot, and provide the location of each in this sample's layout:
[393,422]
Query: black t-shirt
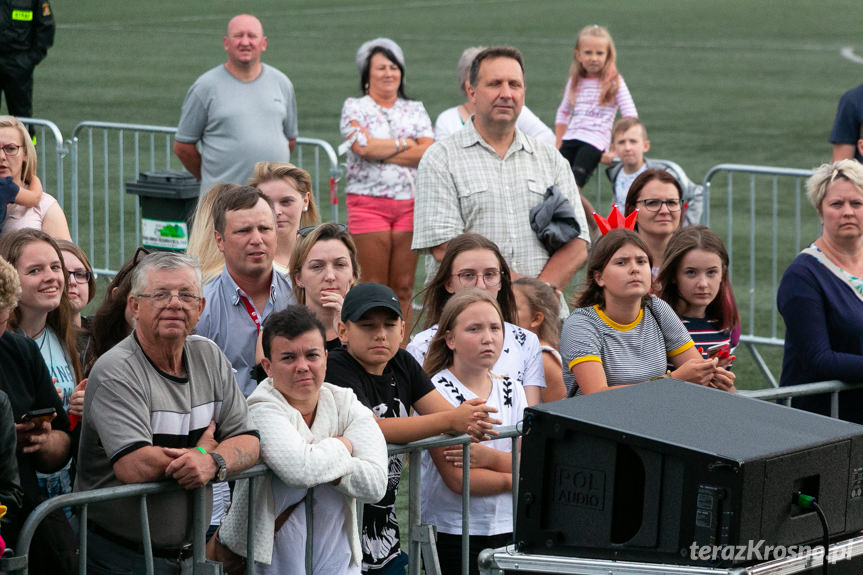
[26,380]
[389,395]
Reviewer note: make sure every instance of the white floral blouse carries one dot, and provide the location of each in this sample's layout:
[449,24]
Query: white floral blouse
[406,119]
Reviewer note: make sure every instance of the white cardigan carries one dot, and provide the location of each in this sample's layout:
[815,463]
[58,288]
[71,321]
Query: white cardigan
[303,457]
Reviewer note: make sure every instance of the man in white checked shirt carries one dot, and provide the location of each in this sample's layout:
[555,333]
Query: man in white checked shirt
[486,177]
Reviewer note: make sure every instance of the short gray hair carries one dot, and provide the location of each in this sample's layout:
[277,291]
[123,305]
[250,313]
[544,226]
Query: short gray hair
[167,261]
[464,64]
[824,175]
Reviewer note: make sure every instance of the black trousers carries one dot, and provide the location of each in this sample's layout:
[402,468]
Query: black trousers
[582,157]
[17,85]
[449,551]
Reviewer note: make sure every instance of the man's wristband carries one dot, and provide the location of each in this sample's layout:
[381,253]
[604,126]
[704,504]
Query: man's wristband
[201,449]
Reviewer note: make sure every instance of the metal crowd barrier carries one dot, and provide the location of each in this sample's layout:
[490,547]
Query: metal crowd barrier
[760,244]
[106,155]
[420,538]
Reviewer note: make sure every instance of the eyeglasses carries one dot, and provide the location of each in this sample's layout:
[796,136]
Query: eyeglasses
[80,276]
[304,231]
[11,149]
[469,278]
[163,299]
[654,205]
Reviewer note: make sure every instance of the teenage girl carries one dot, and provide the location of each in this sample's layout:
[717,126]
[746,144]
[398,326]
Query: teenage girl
[619,334]
[461,355]
[472,260]
[594,91]
[44,314]
[538,310]
[696,285]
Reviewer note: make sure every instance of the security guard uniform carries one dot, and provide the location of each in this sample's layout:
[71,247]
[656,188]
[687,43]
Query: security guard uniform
[26,33]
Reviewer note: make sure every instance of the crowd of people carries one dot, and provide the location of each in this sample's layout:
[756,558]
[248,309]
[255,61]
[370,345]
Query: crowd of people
[281,339]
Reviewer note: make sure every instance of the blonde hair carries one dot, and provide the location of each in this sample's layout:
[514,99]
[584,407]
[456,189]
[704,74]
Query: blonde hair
[824,175]
[28,167]
[10,286]
[609,79]
[542,298]
[440,356]
[202,243]
[269,171]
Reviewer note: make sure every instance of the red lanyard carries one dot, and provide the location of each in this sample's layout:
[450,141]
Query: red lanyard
[250,309]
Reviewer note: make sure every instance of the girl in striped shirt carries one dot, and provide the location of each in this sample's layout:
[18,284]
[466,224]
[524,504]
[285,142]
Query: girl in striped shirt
[594,92]
[696,285]
[619,334]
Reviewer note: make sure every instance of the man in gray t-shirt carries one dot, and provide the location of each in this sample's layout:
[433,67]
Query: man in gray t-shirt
[241,112]
[160,405]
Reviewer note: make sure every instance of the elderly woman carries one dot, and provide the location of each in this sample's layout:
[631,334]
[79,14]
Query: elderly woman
[452,120]
[313,434]
[290,188]
[385,134]
[821,293]
[18,161]
[658,197]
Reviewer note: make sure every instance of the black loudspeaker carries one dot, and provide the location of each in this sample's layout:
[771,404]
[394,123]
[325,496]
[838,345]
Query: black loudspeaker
[662,470]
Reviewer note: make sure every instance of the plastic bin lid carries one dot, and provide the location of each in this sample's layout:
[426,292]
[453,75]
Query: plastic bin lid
[178,184]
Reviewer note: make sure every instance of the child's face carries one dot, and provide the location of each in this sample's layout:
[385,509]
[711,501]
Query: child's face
[475,268]
[626,275]
[374,339]
[592,52]
[630,146]
[524,315]
[477,336]
[698,279]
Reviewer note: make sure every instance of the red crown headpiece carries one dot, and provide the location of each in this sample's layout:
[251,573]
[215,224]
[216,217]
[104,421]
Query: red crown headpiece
[615,220]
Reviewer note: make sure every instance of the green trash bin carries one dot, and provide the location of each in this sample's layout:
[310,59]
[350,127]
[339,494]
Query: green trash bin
[168,199]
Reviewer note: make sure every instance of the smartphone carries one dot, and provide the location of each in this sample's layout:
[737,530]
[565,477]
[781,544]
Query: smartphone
[39,415]
[721,350]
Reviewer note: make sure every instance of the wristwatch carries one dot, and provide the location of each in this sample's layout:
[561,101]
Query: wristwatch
[222,471]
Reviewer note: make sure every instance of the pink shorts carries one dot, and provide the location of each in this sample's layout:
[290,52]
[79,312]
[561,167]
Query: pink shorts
[368,214]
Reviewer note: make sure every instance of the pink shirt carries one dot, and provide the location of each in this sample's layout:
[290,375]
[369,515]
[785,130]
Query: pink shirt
[22,217]
[589,121]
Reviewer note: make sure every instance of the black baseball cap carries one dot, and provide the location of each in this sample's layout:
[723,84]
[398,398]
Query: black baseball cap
[366,296]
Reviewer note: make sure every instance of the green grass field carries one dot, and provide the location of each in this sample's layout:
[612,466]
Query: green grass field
[750,82]
[714,82]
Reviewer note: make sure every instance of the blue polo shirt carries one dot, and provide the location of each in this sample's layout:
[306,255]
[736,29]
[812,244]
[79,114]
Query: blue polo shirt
[227,322]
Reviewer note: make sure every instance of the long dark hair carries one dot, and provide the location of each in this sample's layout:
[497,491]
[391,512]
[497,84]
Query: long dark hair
[109,325]
[388,54]
[60,318]
[435,295]
[600,254]
[723,307]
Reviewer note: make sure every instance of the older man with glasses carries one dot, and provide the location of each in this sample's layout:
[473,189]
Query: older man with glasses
[162,404]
